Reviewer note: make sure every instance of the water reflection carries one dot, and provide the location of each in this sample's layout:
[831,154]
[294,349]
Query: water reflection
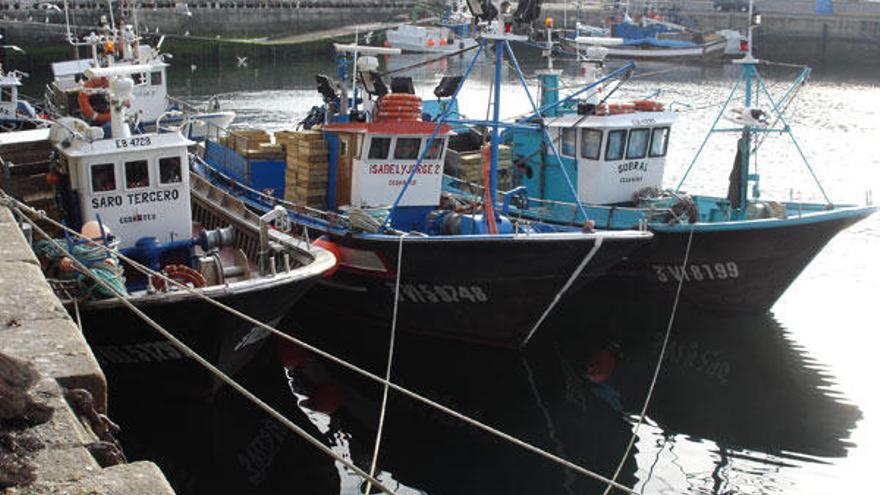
[730,388]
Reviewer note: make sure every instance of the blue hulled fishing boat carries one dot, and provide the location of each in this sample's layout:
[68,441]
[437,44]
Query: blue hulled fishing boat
[465,270]
[742,251]
[651,37]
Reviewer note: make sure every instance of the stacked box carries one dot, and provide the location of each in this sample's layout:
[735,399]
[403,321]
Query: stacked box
[471,169]
[244,140]
[306,175]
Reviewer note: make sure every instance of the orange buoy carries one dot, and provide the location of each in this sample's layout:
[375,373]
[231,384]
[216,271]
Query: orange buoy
[328,398]
[85,105]
[442,41]
[325,243]
[600,366]
[292,356]
[430,41]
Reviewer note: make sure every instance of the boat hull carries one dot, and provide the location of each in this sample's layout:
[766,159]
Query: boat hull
[739,269]
[489,291]
[713,49]
[133,354]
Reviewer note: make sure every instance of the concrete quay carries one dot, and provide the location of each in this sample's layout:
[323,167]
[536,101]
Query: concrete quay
[58,453]
[242,19]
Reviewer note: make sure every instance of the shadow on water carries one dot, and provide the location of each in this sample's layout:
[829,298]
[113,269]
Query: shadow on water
[737,385]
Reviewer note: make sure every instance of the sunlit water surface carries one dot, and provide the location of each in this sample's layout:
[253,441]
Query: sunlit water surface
[782,403]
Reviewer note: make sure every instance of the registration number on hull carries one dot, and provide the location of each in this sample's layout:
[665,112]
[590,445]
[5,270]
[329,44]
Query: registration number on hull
[428,293]
[696,273]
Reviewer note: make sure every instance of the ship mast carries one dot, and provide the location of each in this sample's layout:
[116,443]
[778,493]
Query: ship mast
[751,123]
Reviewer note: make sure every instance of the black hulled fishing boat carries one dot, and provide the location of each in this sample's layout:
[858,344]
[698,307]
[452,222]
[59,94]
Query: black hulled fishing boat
[745,250]
[133,195]
[467,270]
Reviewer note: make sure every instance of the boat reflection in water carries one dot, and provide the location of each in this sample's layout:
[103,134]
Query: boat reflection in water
[732,391]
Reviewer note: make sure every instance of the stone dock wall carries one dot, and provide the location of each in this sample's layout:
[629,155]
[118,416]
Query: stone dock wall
[35,328]
[247,19]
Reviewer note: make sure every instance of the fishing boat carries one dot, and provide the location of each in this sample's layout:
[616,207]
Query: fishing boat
[455,32]
[459,270]
[653,39]
[72,93]
[132,198]
[742,250]
[16,114]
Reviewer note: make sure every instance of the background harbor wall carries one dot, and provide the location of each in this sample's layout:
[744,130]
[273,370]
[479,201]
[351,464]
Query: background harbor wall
[228,19]
[35,328]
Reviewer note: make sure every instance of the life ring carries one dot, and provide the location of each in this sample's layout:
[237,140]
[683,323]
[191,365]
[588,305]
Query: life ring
[85,104]
[414,114]
[396,106]
[179,273]
[401,97]
[615,108]
[648,106]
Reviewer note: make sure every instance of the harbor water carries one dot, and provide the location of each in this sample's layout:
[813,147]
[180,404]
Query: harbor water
[777,403]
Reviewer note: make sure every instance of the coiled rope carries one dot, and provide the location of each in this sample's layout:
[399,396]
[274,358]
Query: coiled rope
[12,202]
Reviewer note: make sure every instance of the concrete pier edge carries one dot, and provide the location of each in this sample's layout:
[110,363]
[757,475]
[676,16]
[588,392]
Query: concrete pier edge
[35,327]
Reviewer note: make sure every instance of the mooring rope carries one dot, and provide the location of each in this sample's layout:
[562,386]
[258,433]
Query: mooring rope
[390,362]
[205,363]
[341,362]
[659,365]
[583,264]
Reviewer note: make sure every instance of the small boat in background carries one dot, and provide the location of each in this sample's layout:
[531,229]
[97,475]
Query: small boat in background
[650,37]
[133,197]
[72,93]
[16,114]
[455,32]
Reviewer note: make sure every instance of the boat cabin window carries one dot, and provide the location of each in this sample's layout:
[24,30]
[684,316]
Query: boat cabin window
[169,170]
[136,174]
[6,94]
[138,78]
[156,78]
[407,148]
[638,144]
[616,143]
[659,142]
[379,148]
[103,177]
[435,149]
[569,141]
[591,141]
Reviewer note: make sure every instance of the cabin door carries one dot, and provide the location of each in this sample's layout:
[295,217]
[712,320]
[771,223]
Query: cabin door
[347,144]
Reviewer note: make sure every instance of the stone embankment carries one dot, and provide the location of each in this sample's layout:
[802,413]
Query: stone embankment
[55,436]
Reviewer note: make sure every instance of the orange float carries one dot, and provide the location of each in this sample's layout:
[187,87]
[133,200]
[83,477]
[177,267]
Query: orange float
[324,242]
